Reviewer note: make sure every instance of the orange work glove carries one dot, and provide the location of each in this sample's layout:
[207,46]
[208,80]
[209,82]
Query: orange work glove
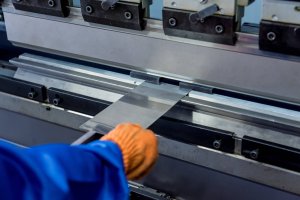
[138,146]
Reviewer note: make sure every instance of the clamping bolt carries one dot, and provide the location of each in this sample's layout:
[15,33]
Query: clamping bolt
[254,154]
[89,9]
[56,101]
[202,14]
[51,3]
[31,95]
[106,4]
[217,144]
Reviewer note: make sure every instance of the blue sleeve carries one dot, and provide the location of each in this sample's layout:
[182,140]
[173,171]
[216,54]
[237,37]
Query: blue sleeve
[93,171]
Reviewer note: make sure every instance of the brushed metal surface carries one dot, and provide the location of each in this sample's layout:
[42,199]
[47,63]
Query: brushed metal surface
[242,69]
[144,105]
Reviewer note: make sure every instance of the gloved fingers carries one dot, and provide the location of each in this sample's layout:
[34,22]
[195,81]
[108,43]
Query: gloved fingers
[125,136]
[135,158]
[138,147]
[136,175]
[151,154]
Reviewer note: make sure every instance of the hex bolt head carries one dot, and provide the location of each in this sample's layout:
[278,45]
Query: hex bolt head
[51,3]
[254,154]
[271,36]
[89,9]
[56,101]
[219,29]
[217,144]
[128,15]
[31,95]
[172,22]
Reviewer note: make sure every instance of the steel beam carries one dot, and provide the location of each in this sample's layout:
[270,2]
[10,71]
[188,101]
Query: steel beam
[242,68]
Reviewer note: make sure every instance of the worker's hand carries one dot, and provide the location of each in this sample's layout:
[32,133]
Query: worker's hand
[138,146]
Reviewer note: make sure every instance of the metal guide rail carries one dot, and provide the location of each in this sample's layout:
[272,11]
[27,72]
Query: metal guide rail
[203,129]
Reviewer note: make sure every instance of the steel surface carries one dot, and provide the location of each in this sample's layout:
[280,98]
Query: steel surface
[143,105]
[243,69]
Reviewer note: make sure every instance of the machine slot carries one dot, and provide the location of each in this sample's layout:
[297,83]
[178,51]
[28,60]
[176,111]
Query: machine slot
[22,88]
[49,7]
[271,153]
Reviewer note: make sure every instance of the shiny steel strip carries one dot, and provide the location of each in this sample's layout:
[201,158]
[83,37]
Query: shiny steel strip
[143,105]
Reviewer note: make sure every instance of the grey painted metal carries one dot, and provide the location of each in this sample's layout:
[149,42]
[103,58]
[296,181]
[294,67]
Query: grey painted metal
[144,105]
[190,155]
[29,131]
[42,111]
[243,69]
[85,138]
[192,182]
[226,163]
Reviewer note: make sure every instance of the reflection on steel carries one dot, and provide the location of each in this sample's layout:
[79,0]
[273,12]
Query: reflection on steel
[143,105]
[241,68]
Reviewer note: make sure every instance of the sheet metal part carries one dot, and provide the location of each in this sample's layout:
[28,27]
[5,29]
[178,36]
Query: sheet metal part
[143,105]
[275,76]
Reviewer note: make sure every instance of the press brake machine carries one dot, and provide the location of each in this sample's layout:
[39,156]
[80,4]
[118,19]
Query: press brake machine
[225,104]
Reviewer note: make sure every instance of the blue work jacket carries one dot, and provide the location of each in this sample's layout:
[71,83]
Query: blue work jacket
[59,172]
